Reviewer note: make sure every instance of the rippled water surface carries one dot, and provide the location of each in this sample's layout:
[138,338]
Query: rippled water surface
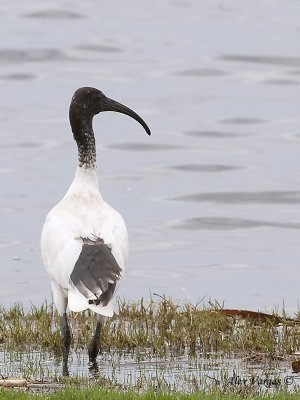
[212,199]
[180,373]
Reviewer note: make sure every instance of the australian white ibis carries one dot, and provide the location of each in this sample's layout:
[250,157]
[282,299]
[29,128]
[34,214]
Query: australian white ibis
[84,241]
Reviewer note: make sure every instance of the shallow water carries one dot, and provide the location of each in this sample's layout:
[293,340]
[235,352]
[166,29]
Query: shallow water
[181,373]
[211,200]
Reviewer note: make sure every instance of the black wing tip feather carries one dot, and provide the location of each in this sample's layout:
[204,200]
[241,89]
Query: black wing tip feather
[96,270]
[105,297]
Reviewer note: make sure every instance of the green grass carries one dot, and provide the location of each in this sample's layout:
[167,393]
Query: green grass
[158,327]
[150,331]
[97,394]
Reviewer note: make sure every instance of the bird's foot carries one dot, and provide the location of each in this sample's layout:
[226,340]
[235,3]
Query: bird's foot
[93,368]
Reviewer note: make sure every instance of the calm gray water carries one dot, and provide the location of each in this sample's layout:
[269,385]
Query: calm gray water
[212,199]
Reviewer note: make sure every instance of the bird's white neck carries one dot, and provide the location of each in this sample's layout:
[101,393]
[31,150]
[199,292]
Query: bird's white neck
[85,181]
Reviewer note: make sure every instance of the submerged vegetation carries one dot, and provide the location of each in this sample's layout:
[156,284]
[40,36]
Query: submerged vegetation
[185,347]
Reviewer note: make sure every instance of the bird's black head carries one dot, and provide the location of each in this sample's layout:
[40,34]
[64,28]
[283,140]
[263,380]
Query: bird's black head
[88,101]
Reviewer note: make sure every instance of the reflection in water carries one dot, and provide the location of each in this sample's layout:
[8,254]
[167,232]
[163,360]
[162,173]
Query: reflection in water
[11,56]
[242,121]
[6,242]
[25,144]
[17,76]
[145,146]
[287,197]
[258,59]
[101,48]
[213,134]
[219,223]
[281,82]
[202,72]
[54,14]
[204,168]
[180,373]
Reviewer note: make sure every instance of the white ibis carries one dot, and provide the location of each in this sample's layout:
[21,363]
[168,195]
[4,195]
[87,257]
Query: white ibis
[84,240]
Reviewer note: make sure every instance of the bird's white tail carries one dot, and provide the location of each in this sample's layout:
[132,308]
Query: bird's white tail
[77,302]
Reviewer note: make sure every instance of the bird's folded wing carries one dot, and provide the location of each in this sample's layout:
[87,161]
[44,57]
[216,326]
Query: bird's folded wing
[96,273]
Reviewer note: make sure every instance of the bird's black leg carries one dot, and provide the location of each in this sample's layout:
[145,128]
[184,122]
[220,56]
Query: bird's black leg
[95,344]
[65,342]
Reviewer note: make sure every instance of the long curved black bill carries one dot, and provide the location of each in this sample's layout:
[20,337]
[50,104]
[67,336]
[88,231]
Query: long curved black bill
[112,105]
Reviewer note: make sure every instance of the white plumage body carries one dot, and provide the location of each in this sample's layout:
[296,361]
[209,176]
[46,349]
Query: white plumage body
[84,241]
[82,213]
